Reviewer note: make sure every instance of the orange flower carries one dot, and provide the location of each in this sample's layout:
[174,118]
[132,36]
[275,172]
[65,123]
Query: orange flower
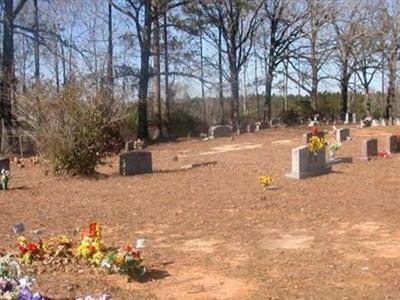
[127,248]
[93,230]
[119,260]
[91,248]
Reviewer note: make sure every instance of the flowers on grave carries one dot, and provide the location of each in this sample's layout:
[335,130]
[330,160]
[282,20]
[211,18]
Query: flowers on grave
[126,260]
[57,250]
[314,130]
[138,144]
[334,146]
[13,285]
[91,247]
[384,153]
[4,178]
[29,251]
[315,144]
[265,181]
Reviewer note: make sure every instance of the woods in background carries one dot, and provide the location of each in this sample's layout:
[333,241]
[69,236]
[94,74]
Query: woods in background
[174,63]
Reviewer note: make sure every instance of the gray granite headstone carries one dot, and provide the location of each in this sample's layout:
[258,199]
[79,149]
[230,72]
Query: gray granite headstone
[135,162]
[220,131]
[369,148]
[306,164]
[342,134]
[392,143]
[4,164]
[129,146]
[251,127]
[307,136]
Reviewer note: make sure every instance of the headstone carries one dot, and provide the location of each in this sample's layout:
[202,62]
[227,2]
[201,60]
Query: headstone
[392,143]
[4,164]
[397,122]
[129,146]
[383,122]
[251,127]
[306,164]
[354,119]
[135,162]
[220,131]
[307,136]
[369,148]
[346,121]
[342,134]
[18,228]
[374,123]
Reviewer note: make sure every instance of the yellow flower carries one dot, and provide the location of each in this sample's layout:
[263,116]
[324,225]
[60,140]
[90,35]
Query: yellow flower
[265,180]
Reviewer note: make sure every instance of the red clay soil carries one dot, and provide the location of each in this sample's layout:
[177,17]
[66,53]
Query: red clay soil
[214,233]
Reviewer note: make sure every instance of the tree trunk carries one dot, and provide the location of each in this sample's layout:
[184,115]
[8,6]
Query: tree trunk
[220,73]
[157,70]
[144,73]
[166,69]
[267,115]
[110,75]
[37,53]
[203,99]
[8,77]
[344,87]
[391,93]
[234,80]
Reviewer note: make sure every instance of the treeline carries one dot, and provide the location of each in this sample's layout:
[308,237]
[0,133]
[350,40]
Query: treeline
[234,54]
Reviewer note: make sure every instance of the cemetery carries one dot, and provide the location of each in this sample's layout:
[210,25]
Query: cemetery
[210,226]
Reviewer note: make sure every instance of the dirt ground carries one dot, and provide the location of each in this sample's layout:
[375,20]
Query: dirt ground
[214,233]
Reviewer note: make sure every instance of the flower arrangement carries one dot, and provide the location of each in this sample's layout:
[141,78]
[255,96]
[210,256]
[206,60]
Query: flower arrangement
[4,178]
[138,144]
[13,285]
[29,251]
[384,154]
[316,143]
[126,260]
[334,146]
[265,181]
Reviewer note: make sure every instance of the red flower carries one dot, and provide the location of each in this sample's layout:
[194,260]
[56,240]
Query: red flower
[32,247]
[22,248]
[136,254]
[93,230]
[314,130]
[91,248]
[127,248]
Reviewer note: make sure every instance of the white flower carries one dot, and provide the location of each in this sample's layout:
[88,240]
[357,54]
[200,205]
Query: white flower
[26,282]
[105,264]
[140,243]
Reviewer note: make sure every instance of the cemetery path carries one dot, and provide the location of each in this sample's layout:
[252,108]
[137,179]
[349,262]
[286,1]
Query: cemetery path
[213,233]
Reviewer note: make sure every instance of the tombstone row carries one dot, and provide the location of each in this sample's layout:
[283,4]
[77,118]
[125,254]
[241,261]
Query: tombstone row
[369,147]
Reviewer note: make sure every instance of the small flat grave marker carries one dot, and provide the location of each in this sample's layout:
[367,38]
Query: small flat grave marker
[18,228]
[4,164]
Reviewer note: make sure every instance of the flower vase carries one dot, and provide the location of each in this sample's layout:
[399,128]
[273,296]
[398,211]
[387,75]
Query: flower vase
[332,155]
[4,185]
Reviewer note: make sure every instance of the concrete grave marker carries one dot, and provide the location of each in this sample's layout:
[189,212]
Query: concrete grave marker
[251,127]
[4,164]
[354,118]
[369,148]
[135,162]
[392,143]
[375,123]
[220,131]
[129,146]
[306,164]
[342,134]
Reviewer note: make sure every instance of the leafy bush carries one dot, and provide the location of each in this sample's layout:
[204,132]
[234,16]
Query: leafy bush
[74,130]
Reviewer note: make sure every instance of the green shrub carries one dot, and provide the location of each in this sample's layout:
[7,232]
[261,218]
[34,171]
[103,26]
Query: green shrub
[73,131]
